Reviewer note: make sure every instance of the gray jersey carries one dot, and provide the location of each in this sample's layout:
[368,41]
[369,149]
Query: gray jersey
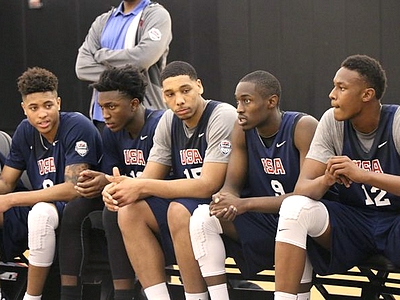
[328,138]
[219,128]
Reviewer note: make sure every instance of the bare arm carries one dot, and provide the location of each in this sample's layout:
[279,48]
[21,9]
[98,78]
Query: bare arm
[60,192]
[303,135]
[8,179]
[132,189]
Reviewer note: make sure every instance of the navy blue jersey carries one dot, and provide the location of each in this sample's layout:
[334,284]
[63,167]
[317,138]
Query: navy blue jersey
[77,141]
[188,153]
[273,171]
[382,158]
[129,155]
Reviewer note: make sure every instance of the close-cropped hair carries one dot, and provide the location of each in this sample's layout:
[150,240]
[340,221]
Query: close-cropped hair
[127,80]
[37,80]
[177,68]
[370,69]
[265,83]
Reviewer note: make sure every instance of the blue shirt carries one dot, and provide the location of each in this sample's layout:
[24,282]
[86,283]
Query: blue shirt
[113,37]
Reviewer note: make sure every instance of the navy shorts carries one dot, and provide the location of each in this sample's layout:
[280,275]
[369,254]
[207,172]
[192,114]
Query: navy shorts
[14,234]
[357,233]
[159,208]
[255,250]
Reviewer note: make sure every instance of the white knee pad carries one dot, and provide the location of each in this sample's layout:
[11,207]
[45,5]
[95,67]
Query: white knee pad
[300,216]
[208,247]
[42,223]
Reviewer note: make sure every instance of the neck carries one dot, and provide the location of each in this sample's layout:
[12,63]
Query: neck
[137,122]
[130,5]
[271,126]
[368,121]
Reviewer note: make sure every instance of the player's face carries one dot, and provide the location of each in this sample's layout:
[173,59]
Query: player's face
[42,111]
[252,108]
[183,97]
[118,112]
[348,94]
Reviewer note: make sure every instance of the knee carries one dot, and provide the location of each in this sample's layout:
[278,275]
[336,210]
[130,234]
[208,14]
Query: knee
[43,215]
[178,217]
[202,221]
[300,216]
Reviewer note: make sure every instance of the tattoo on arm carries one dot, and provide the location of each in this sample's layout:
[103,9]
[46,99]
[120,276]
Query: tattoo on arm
[72,172]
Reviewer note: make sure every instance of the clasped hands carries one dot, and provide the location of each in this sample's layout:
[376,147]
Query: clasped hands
[120,191]
[342,170]
[225,205]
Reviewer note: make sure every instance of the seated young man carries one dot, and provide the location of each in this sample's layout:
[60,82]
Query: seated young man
[127,140]
[53,147]
[268,148]
[192,137]
[356,148]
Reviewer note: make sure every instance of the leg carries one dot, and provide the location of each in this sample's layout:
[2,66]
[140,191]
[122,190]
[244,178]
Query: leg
[139,228]
[42,223]
[209,249]
[299,217]
[70,250]
[121,269]
[178,220]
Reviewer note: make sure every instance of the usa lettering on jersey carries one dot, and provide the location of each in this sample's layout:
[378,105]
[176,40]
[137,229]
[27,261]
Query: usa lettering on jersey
[134,157]
[373,165]
[273,166]
[46,166]
[190,157]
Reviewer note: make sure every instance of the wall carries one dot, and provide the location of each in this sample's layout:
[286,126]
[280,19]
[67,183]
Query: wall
[302,42]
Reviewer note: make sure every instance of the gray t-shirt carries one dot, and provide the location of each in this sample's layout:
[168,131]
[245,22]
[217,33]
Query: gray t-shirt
[219,128]
[328,138]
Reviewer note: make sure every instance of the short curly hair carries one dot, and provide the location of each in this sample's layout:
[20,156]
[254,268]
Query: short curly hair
[370,69]
[36,80]
[127,80]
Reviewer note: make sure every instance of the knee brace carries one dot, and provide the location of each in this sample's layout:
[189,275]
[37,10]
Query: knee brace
[42,223]
[208,247]
[300,216]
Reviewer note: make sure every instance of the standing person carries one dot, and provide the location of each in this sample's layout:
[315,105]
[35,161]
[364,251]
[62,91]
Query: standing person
[137,32]
[268,148]
[192,138]
[127,140]
[53,147]
[356,147]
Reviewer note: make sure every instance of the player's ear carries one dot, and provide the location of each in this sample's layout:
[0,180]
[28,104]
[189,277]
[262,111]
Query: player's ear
[23,107]
[273,100]
[134,103]
[58,100]
[200,86]
[369,93]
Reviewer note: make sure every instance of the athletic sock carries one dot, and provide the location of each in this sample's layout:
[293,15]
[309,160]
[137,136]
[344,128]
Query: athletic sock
[219,292]
[284,296]
[197,296]
[303,296]
[157,292]
[29,297]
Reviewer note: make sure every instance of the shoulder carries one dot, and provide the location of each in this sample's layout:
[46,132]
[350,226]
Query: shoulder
[74,118]
[223,107]
[305,122]
[155,8]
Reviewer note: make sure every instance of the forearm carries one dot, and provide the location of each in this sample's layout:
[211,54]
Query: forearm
[314,189]
[179,188]
[60,192]
[269,204]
